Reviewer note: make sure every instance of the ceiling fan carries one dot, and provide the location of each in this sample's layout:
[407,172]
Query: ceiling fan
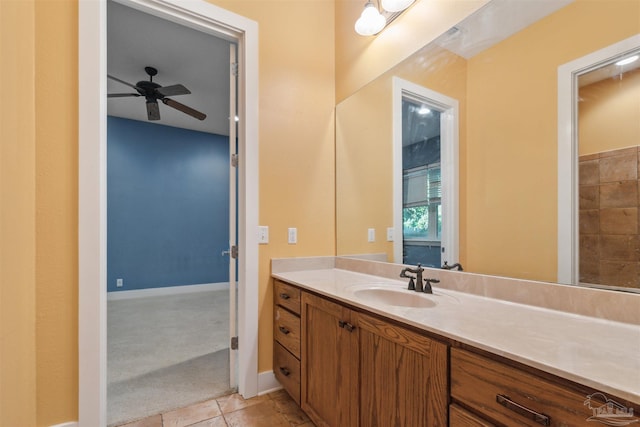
[153,92]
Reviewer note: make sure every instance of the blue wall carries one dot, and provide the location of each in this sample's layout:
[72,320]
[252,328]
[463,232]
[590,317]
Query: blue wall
[167,205]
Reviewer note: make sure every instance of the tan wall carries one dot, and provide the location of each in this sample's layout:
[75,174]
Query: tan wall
[360,60]
[56,214]
[609,114]
[39,245]
[17,215]
[296,137]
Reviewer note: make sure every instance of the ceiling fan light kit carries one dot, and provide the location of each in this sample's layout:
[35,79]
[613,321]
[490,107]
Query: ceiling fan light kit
[153,92]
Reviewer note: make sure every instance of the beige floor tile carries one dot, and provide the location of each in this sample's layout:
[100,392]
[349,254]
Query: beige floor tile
[263,414]
[212,422]
[154,421]
[289,409]
[191,414]
[235,402]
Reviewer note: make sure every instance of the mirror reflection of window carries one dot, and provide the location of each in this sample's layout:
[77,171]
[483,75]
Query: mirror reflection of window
[609,181]
[422,184]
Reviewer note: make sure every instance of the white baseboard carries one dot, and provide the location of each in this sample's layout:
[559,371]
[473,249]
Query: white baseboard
[167,290]
[267,383]
[67,424]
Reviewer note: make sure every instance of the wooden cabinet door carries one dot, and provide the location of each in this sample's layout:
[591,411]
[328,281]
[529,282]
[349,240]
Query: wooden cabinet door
[402,376]
[328,353]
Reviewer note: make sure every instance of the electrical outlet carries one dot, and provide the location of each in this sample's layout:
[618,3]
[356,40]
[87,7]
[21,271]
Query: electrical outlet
[371,235]
[263,234]
[119,283]
[293,236]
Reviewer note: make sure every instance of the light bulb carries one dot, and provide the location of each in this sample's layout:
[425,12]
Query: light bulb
[396,5]
[370,22]
[628,60]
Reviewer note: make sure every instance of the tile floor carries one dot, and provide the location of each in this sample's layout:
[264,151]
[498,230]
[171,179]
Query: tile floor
[275,409]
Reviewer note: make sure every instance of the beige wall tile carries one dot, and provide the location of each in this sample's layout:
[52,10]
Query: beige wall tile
[619,248]
[589,221]
[587,157]
[620,152]
[619,273]
[589,172]
[589,196]
[619,168]
[620,194]
[619,221]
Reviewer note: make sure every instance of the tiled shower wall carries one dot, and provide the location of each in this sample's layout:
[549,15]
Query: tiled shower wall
[609,218]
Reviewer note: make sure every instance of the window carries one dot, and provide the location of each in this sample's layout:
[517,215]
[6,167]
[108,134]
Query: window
[422,203]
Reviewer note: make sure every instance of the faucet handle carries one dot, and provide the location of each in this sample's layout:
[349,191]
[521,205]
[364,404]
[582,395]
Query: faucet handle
[412,284]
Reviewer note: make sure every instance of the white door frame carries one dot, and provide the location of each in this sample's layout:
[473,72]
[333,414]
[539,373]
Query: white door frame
[568,234]
[448,108]
[92,209]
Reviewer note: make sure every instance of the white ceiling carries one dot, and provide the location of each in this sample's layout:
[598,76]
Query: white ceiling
[182,55]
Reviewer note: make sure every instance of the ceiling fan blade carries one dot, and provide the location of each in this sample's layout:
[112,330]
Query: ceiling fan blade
[173,90]
[122,81]
[187,110]
[121,95]
[153,112]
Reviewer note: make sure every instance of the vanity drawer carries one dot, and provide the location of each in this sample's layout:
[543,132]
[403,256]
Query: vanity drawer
[286,330]
[287,370]
[481,383]
[287,296]
[459,417]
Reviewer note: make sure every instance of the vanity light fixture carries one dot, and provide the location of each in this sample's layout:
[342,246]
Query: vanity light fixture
[371,21]
[628,60]
[374,19]
[396,5]
[423,111]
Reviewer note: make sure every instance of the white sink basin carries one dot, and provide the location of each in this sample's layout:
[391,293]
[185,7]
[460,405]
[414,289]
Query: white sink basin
[393,296]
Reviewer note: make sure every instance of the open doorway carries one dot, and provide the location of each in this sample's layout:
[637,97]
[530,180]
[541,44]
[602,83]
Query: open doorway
[169,203]
[92,118]
[425,175]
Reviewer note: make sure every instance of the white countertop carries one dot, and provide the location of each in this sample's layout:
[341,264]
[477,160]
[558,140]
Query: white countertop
[598,353]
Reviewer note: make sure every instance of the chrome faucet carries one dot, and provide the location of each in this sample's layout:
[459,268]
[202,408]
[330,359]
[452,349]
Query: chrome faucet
[417,285]
[457,266]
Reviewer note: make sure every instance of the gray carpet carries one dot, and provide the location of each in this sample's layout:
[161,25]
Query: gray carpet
[165,353]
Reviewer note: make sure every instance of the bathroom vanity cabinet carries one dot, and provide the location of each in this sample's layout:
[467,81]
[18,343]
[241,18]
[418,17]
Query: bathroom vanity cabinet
[348,367]
[361,370]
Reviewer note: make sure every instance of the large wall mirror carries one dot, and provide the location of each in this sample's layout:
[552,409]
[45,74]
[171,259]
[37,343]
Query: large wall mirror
[501,66]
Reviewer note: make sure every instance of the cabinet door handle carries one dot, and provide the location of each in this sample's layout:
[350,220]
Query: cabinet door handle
[523,410]
[344,325]
[285,371]
[284,330]
[284,296]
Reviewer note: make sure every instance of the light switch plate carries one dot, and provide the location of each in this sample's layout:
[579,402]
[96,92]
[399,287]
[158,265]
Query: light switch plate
[263,234]
[389,234]
[293,236]
[371,235]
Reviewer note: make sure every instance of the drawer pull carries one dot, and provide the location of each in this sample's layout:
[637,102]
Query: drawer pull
[284,296]
[285,371]
[284,330]
[522,410]
[344,325]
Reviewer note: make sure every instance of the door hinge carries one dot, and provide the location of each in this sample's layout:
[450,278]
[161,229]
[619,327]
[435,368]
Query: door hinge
[234,69]
[234,343]
[234,251]
[234,160]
